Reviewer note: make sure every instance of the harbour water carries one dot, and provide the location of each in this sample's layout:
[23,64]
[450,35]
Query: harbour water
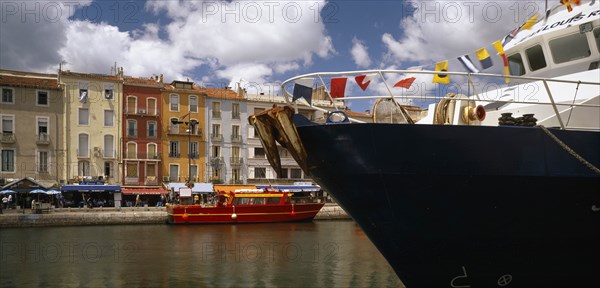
[311,254]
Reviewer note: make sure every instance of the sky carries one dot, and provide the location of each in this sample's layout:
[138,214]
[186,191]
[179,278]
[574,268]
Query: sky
[258,44]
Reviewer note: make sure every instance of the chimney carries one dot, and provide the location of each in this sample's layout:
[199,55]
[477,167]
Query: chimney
[120,73]
[160,78]
[241,91]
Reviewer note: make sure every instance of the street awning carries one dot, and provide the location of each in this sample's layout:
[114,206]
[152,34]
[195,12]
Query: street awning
[142,191]
[292,188]
[198,187]
[232,188]
[90,188]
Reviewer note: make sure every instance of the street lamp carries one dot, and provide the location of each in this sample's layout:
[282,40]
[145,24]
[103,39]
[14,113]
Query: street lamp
[191,125]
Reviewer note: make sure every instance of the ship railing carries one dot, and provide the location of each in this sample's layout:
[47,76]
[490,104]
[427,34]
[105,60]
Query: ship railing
[471,88]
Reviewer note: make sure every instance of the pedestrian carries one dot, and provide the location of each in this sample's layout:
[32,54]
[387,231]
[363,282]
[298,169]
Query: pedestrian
[137,200]
[10,201]
[4,202]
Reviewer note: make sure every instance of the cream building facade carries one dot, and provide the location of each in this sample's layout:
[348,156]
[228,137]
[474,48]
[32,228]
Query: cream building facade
[92,129]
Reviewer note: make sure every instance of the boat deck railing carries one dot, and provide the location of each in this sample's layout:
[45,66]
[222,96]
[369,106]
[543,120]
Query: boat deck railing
[472,92]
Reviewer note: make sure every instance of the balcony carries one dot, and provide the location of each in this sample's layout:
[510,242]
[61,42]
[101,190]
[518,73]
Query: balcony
[131,155]
[8,138]
[143,112]
[43,139]
[194,155]
[134,155]
[109,154]
[235,115]
[236,138]
[216,162]
[236,181]
[132,180]
[216,137]
[150,156]
[151,180]
[183,130]
[173,154]
[236,160]
[83,153]
[216,114]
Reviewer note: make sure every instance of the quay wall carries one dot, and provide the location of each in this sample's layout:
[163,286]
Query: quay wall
[112,216]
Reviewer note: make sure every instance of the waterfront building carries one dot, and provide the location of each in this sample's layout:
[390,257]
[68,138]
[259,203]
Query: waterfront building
[32,137]
[142,132]
[183,141]
[93,109]
[226,120]
[259,170]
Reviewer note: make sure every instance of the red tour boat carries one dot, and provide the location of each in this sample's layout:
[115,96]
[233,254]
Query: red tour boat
[247,206]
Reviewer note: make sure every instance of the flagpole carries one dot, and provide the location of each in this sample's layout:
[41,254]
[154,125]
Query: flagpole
[392,98]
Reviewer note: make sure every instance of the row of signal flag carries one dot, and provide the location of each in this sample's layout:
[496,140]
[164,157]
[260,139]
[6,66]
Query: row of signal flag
[303,87]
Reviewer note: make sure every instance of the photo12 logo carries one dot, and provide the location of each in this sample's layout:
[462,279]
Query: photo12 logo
[55,11]
[66,252]
[270,252]
[268,11]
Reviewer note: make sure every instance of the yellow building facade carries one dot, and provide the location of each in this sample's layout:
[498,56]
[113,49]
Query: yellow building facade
[183,139]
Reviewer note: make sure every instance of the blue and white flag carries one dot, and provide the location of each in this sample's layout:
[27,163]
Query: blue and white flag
[303,89]
[466,61]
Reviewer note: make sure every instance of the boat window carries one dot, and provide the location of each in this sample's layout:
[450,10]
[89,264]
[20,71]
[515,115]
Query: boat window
[243,200]
[258,201]
[515,65]
[273,200]
[535,56]
[569,48]
[597,37]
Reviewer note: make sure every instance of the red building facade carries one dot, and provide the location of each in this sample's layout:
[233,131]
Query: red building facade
[142,133]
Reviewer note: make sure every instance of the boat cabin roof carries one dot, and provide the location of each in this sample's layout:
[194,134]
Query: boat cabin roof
[562,43]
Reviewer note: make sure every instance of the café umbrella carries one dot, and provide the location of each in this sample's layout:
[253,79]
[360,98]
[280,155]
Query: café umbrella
[8,191]
[37,191]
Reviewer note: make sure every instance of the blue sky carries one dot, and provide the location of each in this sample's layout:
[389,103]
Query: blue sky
[216,43]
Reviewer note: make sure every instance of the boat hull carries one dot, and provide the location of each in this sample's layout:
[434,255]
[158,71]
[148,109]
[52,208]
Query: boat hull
[196,214]
[464,206]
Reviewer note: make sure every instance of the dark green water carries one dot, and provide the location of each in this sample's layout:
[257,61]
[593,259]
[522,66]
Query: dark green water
[314,254]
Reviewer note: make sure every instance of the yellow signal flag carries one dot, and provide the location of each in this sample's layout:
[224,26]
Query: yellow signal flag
[500,50]
[498,46]
[529,23]
[441,78]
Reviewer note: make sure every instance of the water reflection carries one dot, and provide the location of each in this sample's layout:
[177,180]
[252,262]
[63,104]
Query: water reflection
[322,253]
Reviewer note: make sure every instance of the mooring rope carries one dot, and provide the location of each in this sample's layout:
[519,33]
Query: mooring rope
[570,151]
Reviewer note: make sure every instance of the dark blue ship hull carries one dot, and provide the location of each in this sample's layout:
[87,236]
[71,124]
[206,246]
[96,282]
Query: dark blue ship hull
[467,206]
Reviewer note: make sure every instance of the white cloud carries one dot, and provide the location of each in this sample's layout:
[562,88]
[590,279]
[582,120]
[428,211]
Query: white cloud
[441,30]
[254,39]
[32,32]
[268,33]
[255,72]
[360,53]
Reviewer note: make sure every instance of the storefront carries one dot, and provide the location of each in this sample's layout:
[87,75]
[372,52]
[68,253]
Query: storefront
[140,197]
[91,195]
